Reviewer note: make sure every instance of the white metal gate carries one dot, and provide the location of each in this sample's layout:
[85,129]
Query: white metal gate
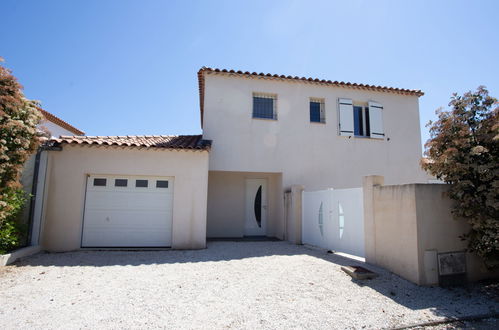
[334,219]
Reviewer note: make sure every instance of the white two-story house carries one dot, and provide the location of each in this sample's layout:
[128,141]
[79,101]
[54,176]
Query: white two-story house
[261,134]
[270,132]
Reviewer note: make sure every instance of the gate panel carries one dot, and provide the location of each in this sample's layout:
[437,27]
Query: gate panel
[334,220]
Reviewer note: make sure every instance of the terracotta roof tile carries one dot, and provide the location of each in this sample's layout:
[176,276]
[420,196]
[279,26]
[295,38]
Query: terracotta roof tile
[58,121]
[192,142]
[248,74]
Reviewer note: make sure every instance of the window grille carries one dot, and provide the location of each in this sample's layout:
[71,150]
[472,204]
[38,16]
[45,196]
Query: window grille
[264,106]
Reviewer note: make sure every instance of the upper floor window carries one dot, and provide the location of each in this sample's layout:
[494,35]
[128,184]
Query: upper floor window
[363,121]
[264,106]
[317,111]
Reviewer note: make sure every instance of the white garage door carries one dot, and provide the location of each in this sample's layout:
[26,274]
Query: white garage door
[128,211]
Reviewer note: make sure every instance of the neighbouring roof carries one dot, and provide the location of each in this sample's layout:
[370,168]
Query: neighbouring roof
[190,142]
[247,74]
[58,121]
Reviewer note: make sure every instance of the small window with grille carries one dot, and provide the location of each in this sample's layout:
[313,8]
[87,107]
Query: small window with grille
[317,111]
[264,106]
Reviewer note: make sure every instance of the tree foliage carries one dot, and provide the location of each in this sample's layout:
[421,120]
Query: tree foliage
[464,151]
[18,140]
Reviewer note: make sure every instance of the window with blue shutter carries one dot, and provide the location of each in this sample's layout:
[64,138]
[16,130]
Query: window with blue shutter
[360,120]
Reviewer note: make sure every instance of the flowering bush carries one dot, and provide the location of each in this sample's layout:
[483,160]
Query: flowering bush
[12,232]
[464,151]
[18,140]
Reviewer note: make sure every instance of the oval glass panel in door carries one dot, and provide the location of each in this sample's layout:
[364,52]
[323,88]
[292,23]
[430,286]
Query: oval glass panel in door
[258,206]
[341,219]
[321,220]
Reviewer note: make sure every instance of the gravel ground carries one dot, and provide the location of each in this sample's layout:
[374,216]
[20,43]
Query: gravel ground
[229,285]
[485,324]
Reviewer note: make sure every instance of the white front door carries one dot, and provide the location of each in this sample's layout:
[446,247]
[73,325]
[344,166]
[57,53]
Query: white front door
[128,211]
[256,207]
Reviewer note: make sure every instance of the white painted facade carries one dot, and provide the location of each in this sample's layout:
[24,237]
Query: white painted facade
[238,188]
[311,154]
[54,129]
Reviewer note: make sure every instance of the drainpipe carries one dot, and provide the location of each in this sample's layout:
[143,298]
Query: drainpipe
[34,187]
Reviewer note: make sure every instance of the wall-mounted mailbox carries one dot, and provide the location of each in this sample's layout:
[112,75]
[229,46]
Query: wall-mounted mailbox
[452,268]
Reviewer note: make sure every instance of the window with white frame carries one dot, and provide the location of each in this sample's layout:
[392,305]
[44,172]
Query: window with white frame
[360,121]
[264,106]
[317,110]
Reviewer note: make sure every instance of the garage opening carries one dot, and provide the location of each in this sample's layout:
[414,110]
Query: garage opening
[128,211]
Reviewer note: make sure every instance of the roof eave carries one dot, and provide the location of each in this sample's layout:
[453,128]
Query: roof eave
[58,121]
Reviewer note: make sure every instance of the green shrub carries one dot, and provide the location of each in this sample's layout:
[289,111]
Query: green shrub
[12,232]
[464,151]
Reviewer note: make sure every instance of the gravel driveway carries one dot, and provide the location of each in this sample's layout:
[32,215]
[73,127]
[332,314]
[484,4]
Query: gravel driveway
[229,285]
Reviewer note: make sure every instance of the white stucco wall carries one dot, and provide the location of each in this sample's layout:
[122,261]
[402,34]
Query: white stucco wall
[407,221]
[54,129]
[29,167]
[66,182]
[311,154]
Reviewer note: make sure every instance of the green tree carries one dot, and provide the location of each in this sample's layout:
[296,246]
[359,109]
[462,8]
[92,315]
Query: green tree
[19,139]
[464,151]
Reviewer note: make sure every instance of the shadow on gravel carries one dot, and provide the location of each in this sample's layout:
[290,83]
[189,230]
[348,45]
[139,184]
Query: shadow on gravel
[216,251]
[451,302]
[446,302]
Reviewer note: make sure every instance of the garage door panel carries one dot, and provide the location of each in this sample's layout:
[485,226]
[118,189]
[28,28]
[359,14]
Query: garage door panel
[123,238]
[127,216]
[128,200]
[130,204]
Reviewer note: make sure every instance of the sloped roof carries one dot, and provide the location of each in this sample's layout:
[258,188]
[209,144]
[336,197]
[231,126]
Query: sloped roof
[247,74]
[58,121]
[190,142]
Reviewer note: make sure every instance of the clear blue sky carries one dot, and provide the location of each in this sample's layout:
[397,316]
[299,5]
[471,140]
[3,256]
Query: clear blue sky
[129,67]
